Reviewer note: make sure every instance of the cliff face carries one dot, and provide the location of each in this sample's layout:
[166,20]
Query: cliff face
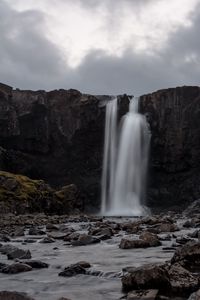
[58,136]
[174,117]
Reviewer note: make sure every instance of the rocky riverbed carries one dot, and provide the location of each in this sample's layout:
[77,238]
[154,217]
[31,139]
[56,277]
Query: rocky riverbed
[87,257]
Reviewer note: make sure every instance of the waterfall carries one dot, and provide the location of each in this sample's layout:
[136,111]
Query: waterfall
[109,159]
[125,162]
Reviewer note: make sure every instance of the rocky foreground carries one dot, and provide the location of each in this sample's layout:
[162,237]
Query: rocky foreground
[87,257]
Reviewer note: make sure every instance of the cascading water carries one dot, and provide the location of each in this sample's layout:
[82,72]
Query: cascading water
[124,169]
[108,176]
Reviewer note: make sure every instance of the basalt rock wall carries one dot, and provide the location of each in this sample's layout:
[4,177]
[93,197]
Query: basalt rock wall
[56,136]
[174,171]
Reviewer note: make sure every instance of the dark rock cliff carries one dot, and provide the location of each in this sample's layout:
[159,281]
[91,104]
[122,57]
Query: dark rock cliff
[174,117]
[58,136]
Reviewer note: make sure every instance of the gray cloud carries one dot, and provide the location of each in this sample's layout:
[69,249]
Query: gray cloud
[27,57]
[29,60]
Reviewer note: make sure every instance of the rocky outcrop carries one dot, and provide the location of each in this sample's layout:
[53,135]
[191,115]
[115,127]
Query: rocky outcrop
[20,194]
[57,136]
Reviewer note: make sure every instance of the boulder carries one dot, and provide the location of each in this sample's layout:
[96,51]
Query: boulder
[183,282]
[150,238]
[72,270]
[16,268]
[19,253]
[84,264]
[165,227]
[146,277]
[102,233]
[36,231]
[131,244]
[84,240]
[188,255]
[35,264]
[47,240]
[57,235]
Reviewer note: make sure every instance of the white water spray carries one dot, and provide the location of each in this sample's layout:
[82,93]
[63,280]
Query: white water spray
[124,169]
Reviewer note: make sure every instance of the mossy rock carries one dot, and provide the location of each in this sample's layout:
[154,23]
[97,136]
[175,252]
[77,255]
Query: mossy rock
[19,194]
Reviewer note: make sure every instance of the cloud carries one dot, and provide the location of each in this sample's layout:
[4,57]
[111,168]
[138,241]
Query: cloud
[31,59]
[27,57]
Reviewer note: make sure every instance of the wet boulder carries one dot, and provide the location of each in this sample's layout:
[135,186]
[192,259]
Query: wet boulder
[19,253]
[51,226]
[35,264]
[102,233]
[183,282]
[72,270]
[146,277]
[85,239]
[130,227]
[188,255]
[132,244]
[57,235]
[36,231]
[47,240]
[150,238]
[84,264]
[165,227]
[16,268]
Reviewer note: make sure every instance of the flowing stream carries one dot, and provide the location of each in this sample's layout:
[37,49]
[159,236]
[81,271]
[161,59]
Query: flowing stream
[106,257]
[125,162]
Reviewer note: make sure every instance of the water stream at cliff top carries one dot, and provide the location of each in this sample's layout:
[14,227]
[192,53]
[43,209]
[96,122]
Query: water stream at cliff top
[125,162]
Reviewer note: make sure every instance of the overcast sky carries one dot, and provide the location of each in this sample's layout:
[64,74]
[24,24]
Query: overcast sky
[100,46]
